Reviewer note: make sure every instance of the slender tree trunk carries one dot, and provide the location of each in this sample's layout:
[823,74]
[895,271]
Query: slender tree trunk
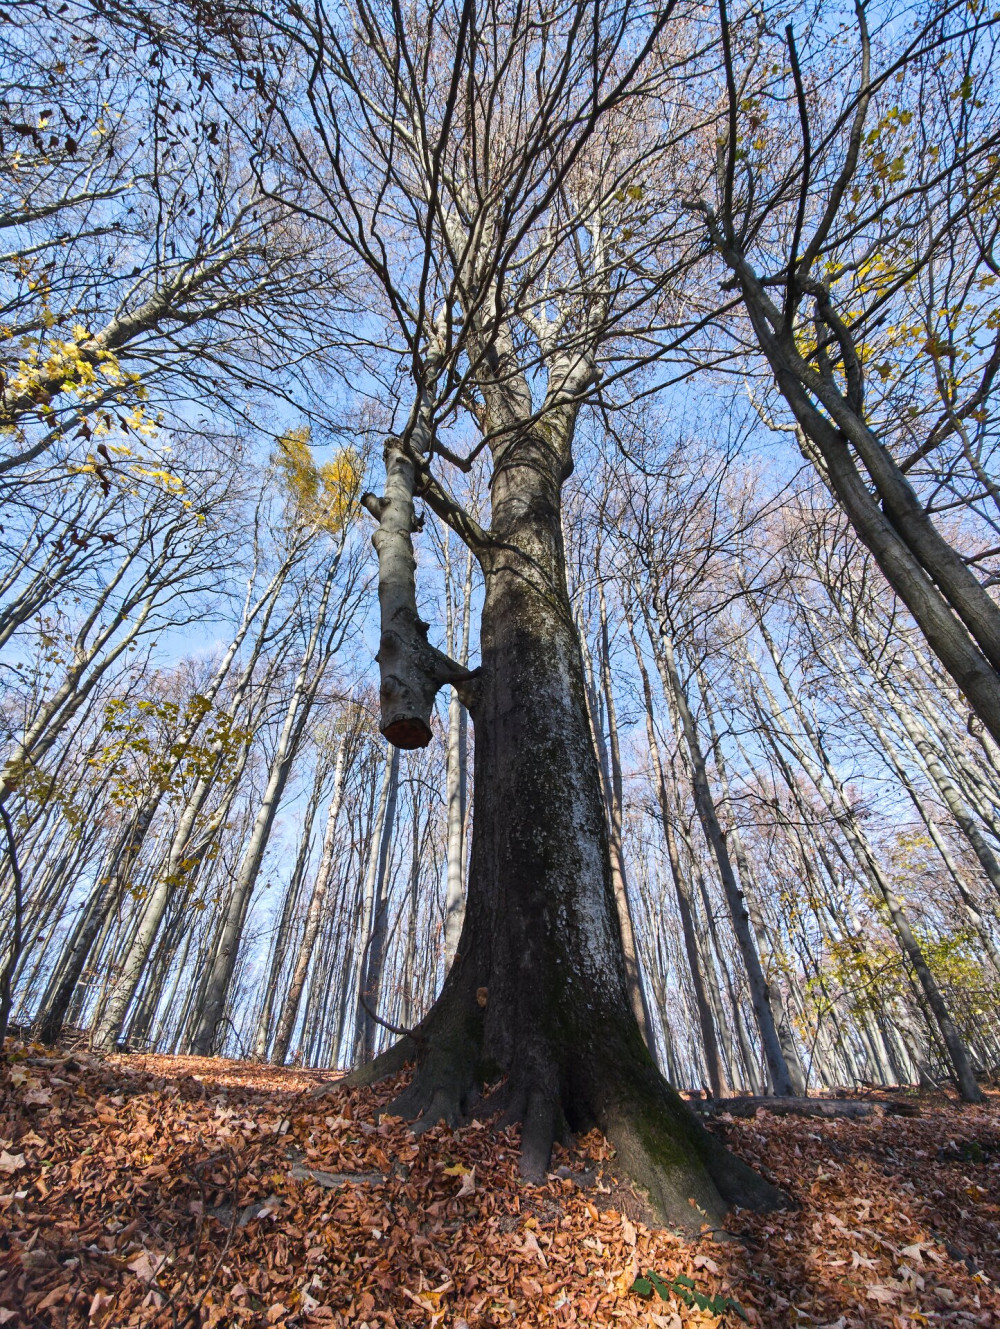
[710,1045]
[407,1000]
[611,772]
[733,838]
[759,996]
[370,979]
[952,798]
[289,909]
[103,901]
[168,1006]
[828,786]
[314,914]
[971,905]
[299,706]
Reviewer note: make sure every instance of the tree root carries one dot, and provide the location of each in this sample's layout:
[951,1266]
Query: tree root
[538,1135]
[389,1062]
[689,1177]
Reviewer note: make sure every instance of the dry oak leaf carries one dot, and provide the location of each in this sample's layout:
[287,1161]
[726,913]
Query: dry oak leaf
[11,1162]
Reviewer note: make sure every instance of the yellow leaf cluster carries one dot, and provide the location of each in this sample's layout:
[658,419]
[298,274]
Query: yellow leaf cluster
[323,496]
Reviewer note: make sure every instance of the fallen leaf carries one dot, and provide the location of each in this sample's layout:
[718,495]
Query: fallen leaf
[883,1295]
[531,1247]
[430,1301]
[100,1300]
[145,1265]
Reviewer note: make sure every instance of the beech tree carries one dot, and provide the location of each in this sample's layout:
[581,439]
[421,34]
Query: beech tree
[509,222]
[486,166]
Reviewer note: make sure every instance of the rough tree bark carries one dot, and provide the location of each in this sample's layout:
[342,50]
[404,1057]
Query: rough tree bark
[411,669]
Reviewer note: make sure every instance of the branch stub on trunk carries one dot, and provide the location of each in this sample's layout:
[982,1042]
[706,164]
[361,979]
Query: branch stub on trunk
[412,670]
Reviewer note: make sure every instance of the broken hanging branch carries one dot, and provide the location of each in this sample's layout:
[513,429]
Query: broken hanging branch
[412,670]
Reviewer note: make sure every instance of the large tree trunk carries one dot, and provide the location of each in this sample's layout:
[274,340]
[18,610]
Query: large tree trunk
[539,994]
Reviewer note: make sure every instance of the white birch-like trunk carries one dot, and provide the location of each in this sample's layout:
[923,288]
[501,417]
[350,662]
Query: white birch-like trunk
[373,903]
[456,790]
[314,914]
[224,959]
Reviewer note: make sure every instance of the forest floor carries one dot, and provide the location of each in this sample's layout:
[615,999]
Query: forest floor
[178,1191]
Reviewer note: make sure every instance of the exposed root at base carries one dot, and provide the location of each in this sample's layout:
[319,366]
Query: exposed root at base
[688,1176]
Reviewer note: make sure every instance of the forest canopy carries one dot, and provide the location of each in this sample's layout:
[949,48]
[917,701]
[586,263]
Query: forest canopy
[656,745]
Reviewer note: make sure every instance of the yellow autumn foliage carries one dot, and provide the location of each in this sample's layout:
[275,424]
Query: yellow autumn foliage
[324,496]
